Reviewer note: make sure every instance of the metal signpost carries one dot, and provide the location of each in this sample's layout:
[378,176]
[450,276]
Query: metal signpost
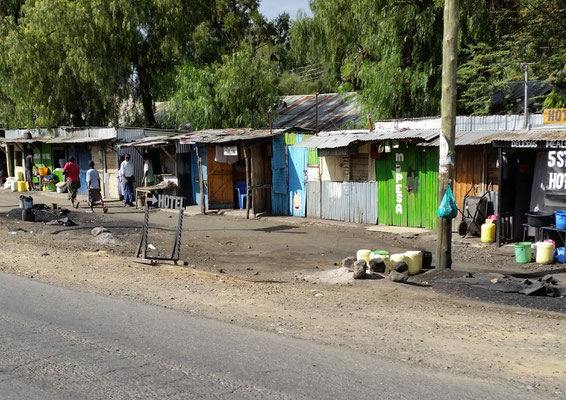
[162,201]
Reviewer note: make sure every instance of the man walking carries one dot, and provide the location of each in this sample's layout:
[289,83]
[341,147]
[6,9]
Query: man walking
[93,186]
[127,173]
[71,171]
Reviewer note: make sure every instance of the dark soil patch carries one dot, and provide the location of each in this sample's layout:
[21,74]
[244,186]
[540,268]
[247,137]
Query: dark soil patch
[448,281]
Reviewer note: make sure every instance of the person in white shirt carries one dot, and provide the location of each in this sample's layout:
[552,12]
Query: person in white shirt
[93,186]
[148,178]
[127,173]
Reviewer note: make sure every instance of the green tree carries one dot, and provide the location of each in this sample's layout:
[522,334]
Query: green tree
[234,93]
[75,62]
[536,35]
[390,51]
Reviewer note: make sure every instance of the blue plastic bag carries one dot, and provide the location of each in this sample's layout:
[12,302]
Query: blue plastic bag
[447,208]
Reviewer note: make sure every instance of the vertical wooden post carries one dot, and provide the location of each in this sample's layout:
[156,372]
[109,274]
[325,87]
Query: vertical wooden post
[200,181]
[248,191]
[316,114]
[448,126]
[104,172]
[499,222]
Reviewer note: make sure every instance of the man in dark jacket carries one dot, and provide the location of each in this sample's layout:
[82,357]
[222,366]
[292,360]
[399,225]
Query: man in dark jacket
[29,165]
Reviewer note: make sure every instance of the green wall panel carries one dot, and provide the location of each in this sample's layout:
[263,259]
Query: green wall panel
[408,186]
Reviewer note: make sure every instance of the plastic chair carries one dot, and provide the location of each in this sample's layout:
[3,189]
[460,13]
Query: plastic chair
[242,193]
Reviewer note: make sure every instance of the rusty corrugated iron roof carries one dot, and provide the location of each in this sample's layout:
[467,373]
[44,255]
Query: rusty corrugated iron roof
[337,139]
[226,135]
[334,110]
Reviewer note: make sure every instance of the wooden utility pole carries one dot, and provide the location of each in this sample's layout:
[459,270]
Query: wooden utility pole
[248,180]
[448,126]
[200,181]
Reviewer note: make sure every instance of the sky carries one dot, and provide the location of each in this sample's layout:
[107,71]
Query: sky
[272,8]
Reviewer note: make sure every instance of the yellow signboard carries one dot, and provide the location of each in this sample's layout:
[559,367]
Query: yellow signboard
[554,116]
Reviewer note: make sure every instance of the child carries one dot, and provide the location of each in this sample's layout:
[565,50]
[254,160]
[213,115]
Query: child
[93,186]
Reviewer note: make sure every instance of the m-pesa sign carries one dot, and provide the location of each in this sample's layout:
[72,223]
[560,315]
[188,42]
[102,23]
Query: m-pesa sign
[164,201]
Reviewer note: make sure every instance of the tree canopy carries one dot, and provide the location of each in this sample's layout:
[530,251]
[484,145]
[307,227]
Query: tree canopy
[220,63]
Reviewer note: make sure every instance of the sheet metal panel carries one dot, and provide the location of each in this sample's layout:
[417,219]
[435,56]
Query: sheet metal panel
[338,139]
[279,173]
[313,199]
[226,135]
[343,201]
[463,123]
[334,109]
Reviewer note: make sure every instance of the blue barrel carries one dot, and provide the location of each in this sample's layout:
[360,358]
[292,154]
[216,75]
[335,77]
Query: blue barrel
[560,219]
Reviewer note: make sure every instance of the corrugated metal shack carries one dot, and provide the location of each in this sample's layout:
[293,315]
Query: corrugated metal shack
[403,155]
[170,161]
[294,168]
[225,160]
[354,163]
[100,144]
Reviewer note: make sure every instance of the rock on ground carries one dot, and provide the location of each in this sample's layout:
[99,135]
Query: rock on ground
[377,265]
[348,262]
[98,230]
[400,266]
[360,269]
[398,276]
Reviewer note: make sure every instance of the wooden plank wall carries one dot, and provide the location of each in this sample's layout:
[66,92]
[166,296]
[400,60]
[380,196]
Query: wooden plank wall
[475,164]
[220,181]
[468,173]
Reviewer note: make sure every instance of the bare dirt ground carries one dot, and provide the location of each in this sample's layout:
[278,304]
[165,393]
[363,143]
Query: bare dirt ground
[280,276]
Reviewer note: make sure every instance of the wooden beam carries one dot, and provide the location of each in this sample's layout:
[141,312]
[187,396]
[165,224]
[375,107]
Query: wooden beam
[248,183]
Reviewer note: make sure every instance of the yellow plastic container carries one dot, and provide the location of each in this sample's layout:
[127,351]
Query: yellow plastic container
[414,260]
[20,176]
[22,186]
[488,233]
[42,171]
[363,254]
[545,253]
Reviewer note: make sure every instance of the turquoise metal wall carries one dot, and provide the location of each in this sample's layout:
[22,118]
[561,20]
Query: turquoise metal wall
[279,174]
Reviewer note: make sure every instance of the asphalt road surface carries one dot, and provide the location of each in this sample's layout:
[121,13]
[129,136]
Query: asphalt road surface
[60,344]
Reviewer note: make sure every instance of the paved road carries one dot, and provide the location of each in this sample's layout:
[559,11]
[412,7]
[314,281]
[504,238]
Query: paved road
[60,344]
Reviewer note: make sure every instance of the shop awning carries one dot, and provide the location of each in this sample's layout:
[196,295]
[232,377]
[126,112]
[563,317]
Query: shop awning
[57,140]
[338,139]
[147,142]
[226,135]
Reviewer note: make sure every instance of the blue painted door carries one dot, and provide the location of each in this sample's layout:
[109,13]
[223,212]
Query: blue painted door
[297,180]
[279,184]
[82,157]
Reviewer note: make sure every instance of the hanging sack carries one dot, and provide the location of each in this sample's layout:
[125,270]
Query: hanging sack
[447,208]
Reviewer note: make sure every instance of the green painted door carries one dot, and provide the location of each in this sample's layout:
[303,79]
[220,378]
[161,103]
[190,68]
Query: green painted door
[407,186]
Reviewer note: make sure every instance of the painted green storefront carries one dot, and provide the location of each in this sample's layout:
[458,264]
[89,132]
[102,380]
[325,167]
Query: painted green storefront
[408,186]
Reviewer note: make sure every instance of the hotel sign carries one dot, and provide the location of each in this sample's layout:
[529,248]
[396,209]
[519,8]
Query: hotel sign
[554,116]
